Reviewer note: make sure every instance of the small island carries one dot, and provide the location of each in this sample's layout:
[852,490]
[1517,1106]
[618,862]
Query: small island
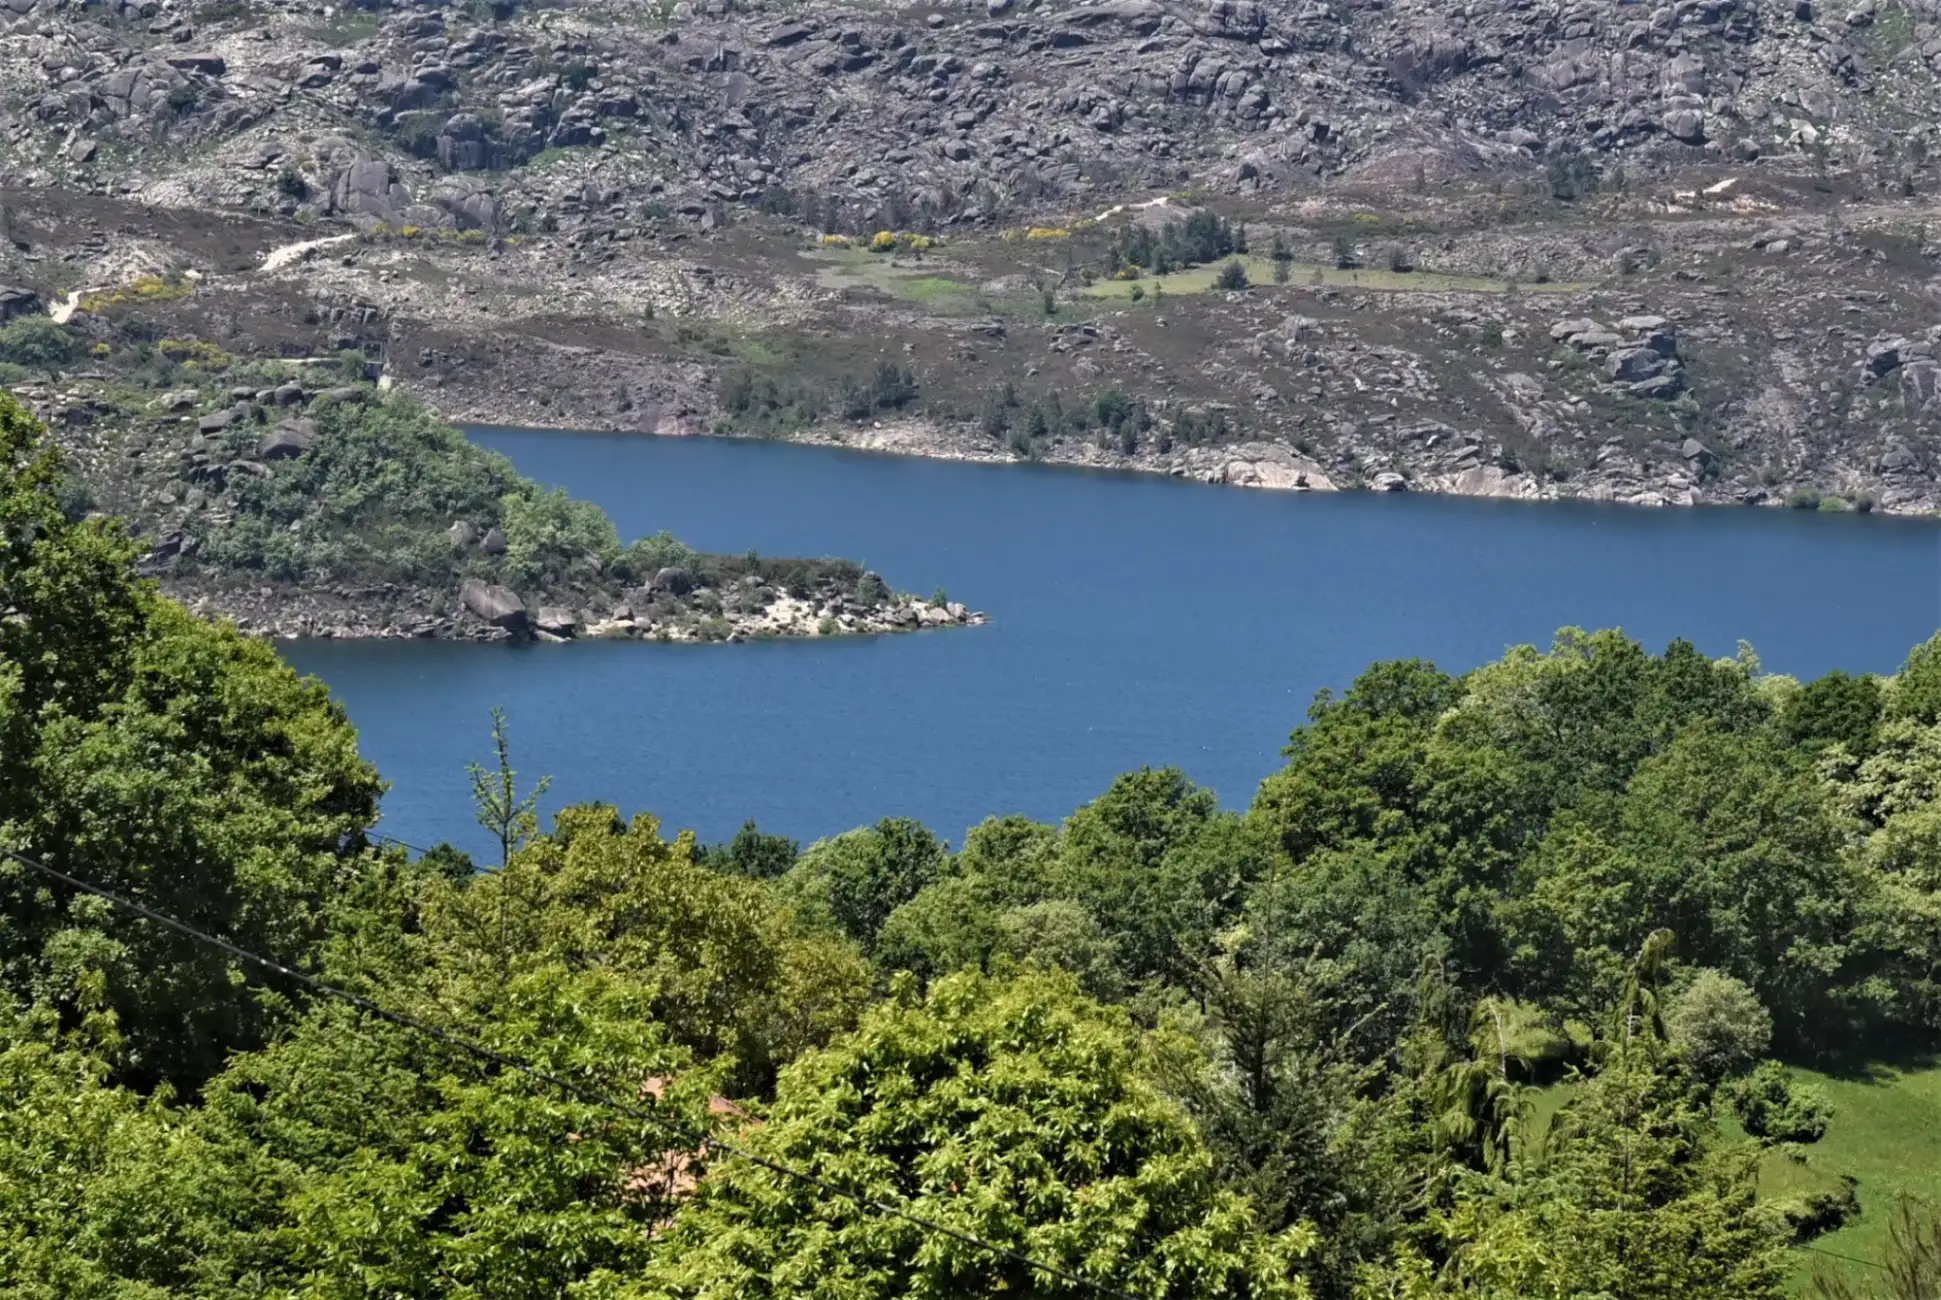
[300,499]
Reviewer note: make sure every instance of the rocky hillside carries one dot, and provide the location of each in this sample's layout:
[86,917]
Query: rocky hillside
[313,506]
[1657,253]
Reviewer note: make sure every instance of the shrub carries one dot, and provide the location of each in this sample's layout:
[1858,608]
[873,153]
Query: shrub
[1773,1108]
[1232,276]
[1814,1214]
[37,343]
[894,386]
[1720,1025]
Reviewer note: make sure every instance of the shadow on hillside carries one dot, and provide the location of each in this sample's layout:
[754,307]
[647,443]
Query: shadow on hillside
[1884,1063]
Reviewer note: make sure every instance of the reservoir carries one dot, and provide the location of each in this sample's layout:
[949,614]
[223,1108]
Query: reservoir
[1135,620]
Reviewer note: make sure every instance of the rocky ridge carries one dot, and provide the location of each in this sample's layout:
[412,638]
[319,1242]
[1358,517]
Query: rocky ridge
[603,215]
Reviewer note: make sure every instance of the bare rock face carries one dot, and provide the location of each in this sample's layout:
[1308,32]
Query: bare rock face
[496,605]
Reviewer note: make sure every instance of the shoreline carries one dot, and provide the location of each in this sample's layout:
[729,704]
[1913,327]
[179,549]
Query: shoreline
[300,616]
[1255,466]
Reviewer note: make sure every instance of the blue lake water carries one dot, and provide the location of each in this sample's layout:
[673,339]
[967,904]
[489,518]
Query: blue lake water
[1136,620]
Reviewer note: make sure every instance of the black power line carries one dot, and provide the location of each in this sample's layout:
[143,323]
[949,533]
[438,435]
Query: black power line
[1851,1259]
[392,839]
[583,1092]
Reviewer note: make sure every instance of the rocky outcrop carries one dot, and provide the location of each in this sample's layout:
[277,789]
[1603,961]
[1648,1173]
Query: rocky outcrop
[1639,358]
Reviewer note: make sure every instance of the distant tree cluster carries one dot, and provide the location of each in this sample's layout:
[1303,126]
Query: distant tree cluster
[782,402]
[1199,238]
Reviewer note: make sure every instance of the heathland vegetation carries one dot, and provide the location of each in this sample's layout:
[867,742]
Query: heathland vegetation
[1502,986]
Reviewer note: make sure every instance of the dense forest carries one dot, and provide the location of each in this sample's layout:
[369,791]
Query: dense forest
[1161,1049]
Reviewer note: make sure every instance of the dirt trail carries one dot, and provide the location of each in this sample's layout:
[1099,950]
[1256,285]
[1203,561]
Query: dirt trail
[278,258]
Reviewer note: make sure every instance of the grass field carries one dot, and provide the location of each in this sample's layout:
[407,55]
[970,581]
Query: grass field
[1885,1133]
[928,282]
[1260,270]
[916,281]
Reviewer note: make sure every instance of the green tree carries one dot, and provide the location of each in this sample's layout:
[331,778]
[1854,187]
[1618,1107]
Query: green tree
[1129,858]
[1917,687]
[731,976]
[752,853]
[858,878]
[1294,1118]
[511,818]
[550,536]
[1014,1112]
[168,759]
[1719,1025]
[1834,709]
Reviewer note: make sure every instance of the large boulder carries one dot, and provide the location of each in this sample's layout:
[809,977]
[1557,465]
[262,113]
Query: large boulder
[494,604]
[1685,125]
[287,440]
[1565,330]
[494,542]
[1654,332]
[208,64]
[462,144]
[468,202]
[18,302]
[1921,385]
[1634,365]
[674,581]
[369,188]
[556,620]
[1884,356]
